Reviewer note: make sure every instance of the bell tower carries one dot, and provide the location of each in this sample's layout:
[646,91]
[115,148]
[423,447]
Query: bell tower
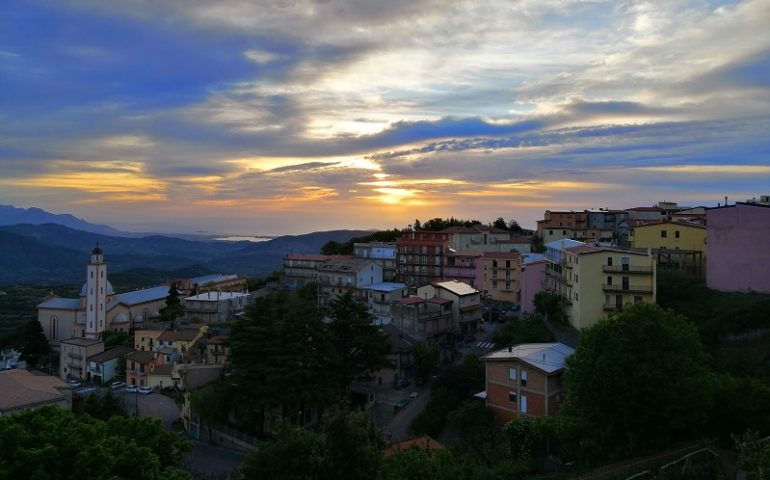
[96,294]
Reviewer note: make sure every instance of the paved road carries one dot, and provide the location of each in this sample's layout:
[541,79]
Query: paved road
[210,461]
[396,429]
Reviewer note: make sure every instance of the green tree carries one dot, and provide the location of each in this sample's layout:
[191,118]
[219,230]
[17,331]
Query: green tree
[754,454]
[537,245]
[638,380]
[529,329]
[293,454]
[34,344]
[51,443]
[500,223]
[173,308]
[361,347]
[112,338]
[550,304]
[353,447]
[212,403]
[425,358]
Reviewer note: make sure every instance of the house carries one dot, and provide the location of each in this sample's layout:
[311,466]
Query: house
[337,277]
[302,269]
[500,274]
[379,297]
[479,238]
[466,303]
[738,236]
[677,245]
[400,357]
[193,378]
[103,367]
[22,390]
[533,280]
[593,281]
[425,319]
[146,340]
[217,350]
[420,256]
[525,380]
[383,253]
[208,283]
[138,365]
[213,307]
[73,356]
[463,266]
[181,340]
[557,225]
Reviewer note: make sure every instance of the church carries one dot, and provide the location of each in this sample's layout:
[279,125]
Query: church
[100,309]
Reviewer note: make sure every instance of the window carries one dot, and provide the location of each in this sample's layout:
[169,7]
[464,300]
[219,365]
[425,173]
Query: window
[676,234]
[523,404]
[576,296]
[663,234]
[550,232]
[507,285]
[637,299]
[512,373]
[609,280]
[512,397]
[576,278]
[609,261]
[625,262]
[523,378]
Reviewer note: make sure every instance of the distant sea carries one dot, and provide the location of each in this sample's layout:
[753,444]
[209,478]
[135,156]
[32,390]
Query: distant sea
[237,238]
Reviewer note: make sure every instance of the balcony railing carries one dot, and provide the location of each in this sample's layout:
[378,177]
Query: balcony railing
[628,288]
[626,269]
[610,307]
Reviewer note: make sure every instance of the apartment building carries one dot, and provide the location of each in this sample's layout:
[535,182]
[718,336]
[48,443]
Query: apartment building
[533,280]
[593,281]
[479,238]
[337,277]
[738,237]
[73,357]
[426,319]
[420,257]
[500,274]
[463,266]
[525,380]
[466,303]
[676,245]
[301,269]
[379,297]
[382,253]
[215,306]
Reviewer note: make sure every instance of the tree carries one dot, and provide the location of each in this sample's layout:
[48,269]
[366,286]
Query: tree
[51,443]
[515,228]
[353,447]
[293,454]
[638,380]
[500,223]
[212,403]
[112,338]
[537,245]
[34,344]
[361,347]
[754,454]
[425,358]
[173,308]
[550,305]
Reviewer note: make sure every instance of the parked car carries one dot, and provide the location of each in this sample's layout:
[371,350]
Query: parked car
[75,383]
[117,385]
[413,395]
[145,390]
[401,383]
[132,389]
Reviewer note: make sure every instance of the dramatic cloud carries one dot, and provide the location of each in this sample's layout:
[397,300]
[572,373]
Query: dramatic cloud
[275,116]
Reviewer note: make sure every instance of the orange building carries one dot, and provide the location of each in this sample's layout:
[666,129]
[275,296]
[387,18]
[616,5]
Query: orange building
[525,380]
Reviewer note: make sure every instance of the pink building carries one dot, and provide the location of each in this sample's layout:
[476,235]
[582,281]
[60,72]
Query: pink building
[738,258]
[532,281]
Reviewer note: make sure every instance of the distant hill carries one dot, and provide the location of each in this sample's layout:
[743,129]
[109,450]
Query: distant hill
[53,253]
[10,215]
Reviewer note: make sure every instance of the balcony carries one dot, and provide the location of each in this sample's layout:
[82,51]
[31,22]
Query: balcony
[76,356]
[611,307]
[626,269]
[628,288]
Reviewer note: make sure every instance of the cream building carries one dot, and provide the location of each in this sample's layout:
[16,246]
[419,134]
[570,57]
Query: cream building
[594,281]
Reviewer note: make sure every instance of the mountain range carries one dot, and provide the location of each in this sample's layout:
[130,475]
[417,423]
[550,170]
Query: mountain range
[56,252]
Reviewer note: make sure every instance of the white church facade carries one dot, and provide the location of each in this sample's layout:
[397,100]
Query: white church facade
[100,309]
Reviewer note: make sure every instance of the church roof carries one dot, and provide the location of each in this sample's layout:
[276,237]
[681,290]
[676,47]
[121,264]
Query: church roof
[61,303]
[144,296]
[84,290]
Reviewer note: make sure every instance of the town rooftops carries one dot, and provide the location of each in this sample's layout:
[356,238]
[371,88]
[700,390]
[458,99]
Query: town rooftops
[186,335]
[21,389]
[59,303]
[528,258]
[548,357]
[588,249]
[474,229]
[146,295]
[458,288]
[216,296]
[645,209]
[199,375]
[218,339]
[110,354]
[411,300]
[165,369]
[308,256]
[563,244]
[386,287]
[140,356]
[346,265]
[678,223]
[81,342]
[424,442]
[399,342]
[439,300]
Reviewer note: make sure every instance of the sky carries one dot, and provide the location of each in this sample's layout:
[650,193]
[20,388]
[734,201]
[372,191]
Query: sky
[289,116]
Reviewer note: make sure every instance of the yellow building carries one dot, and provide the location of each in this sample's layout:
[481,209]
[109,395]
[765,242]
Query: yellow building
[670,236]
[594,281]
[501,276]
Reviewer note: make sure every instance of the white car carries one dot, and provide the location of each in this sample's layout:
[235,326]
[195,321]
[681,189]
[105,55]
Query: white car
[413,395]
[117,385]
[145,390]
[75,383]
[131,389]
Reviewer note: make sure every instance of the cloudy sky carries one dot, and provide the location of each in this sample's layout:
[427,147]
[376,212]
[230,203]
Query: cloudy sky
[286,116]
